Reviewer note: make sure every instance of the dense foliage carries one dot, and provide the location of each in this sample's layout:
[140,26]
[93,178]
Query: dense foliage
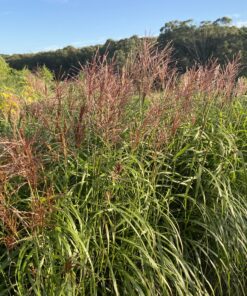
[69,59]
[109,187]
[218,39]
[192,44]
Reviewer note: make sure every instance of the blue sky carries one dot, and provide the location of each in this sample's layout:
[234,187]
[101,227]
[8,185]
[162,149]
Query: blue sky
[39,25]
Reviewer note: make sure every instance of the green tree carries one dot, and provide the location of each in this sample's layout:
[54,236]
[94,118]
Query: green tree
[199,43]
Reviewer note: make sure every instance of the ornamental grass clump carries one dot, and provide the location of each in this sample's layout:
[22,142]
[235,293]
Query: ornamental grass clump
[127,181]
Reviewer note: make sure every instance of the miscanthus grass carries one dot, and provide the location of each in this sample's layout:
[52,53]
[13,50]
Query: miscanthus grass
[111,187]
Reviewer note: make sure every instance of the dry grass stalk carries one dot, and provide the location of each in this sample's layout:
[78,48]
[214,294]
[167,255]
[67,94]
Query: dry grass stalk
[106,94]
[17,159]
[150,67]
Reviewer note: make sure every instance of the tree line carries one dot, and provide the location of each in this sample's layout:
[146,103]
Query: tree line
[192,43]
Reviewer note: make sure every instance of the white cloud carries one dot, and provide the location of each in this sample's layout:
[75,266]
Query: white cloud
[89,42]
[51,48]
[240,23]
[54,47]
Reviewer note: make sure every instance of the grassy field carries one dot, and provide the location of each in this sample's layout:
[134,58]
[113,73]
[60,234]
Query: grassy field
[128,182]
